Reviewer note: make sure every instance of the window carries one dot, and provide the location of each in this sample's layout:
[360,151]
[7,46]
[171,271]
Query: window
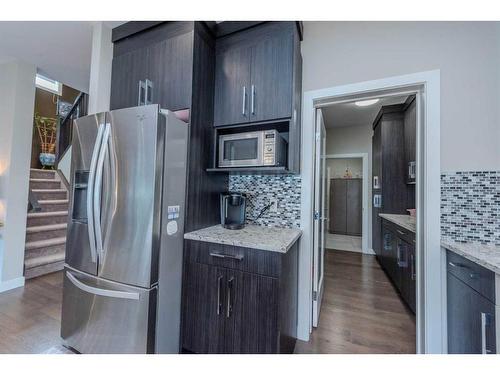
[48,84]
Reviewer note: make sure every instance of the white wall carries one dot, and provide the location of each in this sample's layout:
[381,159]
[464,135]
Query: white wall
[354,140]
[17,99]
[100,81]
[338,167]
[467,53]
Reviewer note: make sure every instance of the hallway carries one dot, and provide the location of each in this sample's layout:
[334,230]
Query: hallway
[361,311]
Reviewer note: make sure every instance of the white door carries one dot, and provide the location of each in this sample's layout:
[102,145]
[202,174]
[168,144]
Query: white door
[319,216]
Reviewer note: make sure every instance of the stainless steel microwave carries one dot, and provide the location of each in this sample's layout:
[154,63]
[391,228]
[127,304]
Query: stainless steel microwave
[252,149]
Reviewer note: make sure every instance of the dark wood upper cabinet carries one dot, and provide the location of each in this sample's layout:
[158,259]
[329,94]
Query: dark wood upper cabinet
[127,70]
[232,86]
[170,70]
[272,78]
[256,74]
[410,138]
[164,56]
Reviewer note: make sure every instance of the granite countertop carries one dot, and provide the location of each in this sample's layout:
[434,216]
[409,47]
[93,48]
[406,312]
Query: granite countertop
[405,221]
[487,256]
[252,236]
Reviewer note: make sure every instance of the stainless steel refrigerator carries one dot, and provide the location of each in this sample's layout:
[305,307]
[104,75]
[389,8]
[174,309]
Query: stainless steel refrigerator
[122,278]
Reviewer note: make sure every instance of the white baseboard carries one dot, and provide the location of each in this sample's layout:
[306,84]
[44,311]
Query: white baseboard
[11,284]
[369,251]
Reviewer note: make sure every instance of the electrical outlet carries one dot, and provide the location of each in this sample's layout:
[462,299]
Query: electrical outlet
[274,205]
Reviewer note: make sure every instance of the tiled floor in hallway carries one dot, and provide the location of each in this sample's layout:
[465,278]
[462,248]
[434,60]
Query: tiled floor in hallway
[361,310]
[343,242]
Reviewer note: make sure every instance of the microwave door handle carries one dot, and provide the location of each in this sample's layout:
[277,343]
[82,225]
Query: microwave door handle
[90,193]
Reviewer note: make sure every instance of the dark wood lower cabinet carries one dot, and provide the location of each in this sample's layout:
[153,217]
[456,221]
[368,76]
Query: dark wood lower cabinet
[397,258]
[202,308]
[252,313]
[471,314]
[243,303]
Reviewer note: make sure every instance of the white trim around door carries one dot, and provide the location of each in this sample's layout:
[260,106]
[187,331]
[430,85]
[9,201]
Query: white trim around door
[431,331]
[365,222]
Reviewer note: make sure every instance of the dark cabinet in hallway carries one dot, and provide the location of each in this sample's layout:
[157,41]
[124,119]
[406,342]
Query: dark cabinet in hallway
[397,258]
[345,208]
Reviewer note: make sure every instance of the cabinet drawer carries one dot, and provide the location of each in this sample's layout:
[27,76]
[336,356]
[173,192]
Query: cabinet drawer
[477,277]
[233,257]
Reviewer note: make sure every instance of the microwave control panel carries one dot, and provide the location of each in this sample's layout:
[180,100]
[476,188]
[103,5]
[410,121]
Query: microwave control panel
[269,147]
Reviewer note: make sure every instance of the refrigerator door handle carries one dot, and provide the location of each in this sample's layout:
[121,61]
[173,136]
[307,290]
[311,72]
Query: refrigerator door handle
[90,193]
[98,187]
[101,292]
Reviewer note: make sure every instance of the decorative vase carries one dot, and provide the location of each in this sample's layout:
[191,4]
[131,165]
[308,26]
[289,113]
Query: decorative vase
[48,160]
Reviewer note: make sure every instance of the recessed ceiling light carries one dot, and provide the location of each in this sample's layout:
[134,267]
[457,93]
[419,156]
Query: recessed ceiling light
[365,103]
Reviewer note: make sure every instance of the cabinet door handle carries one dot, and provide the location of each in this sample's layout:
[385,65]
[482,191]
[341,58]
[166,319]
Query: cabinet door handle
[219,302]
[142,93]
[485,321]
[229,308]
[252,105]
[244,103]
[412,260]
[148,96]
[401,232]
[457,265]
[227,256]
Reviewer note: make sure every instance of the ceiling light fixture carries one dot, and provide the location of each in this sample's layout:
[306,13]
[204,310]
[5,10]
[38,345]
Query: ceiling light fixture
[365,103]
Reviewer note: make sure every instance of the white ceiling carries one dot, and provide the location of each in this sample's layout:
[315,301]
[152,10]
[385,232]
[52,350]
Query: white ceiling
[61,50]
[349,114]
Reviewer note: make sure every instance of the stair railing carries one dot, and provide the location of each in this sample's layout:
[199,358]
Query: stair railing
[65,127]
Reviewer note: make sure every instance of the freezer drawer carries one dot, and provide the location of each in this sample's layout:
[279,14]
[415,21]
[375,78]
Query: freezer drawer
[99,316]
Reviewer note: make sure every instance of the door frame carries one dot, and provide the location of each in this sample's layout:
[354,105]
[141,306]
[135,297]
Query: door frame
[319,239]
[365,214]
[431,309]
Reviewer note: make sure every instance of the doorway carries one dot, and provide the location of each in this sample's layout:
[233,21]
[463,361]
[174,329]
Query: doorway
[429,287]
[354,285]
[347,195]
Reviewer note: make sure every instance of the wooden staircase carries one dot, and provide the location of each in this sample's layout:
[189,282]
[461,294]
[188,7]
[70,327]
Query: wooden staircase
[46,228]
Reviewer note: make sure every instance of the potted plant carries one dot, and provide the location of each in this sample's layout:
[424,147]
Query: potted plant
[47,128]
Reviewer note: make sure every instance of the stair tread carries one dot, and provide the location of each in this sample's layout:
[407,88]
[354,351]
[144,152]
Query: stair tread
[53,201]
[44,214]
[43,180]
[45,243]
[48,190]
[43,170]
[44,259]
[48,227]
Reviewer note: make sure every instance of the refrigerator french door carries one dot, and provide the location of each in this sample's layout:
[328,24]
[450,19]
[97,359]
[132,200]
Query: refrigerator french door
[125,228]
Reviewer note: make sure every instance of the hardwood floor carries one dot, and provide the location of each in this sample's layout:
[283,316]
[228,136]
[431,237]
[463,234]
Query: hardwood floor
[361,311]
[30,317]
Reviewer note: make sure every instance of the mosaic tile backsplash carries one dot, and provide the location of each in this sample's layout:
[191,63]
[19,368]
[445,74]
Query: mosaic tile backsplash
[260,189]
[470,206]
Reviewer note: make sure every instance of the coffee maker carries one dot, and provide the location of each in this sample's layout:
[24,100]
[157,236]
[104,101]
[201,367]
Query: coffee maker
[233,210]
